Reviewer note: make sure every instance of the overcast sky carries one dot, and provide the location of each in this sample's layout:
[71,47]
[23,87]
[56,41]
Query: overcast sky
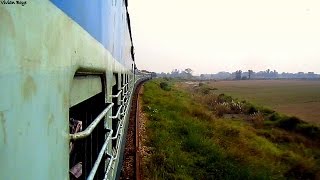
[209,36]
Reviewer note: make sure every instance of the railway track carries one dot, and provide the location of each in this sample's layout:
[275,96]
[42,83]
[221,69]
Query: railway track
[131,168]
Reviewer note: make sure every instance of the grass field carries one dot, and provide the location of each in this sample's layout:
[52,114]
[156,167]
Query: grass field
[292,97]
[188,137]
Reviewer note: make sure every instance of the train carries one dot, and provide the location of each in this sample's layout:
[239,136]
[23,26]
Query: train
[67,73]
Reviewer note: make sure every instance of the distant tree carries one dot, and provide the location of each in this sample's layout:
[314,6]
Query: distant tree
[275,74]
[153,74]
[238,75]
[162,74]
[250,73]
[175,73]
[188,70]
[188,73]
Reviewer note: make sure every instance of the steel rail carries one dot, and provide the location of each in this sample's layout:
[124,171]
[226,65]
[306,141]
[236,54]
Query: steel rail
[90,128]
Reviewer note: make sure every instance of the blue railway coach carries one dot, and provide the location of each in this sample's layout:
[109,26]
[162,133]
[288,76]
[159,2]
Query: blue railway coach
[66,79]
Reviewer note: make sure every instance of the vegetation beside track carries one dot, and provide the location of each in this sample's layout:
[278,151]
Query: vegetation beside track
[190,136]
[299,98]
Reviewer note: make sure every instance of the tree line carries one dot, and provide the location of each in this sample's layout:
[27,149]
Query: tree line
[239,75]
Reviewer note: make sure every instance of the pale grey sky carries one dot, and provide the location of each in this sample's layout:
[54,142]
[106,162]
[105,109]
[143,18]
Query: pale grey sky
[226,35]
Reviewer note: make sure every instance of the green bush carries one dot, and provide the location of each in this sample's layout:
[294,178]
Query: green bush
[289,123]
[274,117]
[201,114]
[250,108]
[309,130]
[165,86]
[221,109]
[224,98]
[266,111]
[166,78]
[301,171]
[205,89]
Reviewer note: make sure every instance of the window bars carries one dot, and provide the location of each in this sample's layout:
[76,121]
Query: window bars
[120,115]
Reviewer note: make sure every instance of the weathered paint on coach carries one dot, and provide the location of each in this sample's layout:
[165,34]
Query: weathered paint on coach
[41,49]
